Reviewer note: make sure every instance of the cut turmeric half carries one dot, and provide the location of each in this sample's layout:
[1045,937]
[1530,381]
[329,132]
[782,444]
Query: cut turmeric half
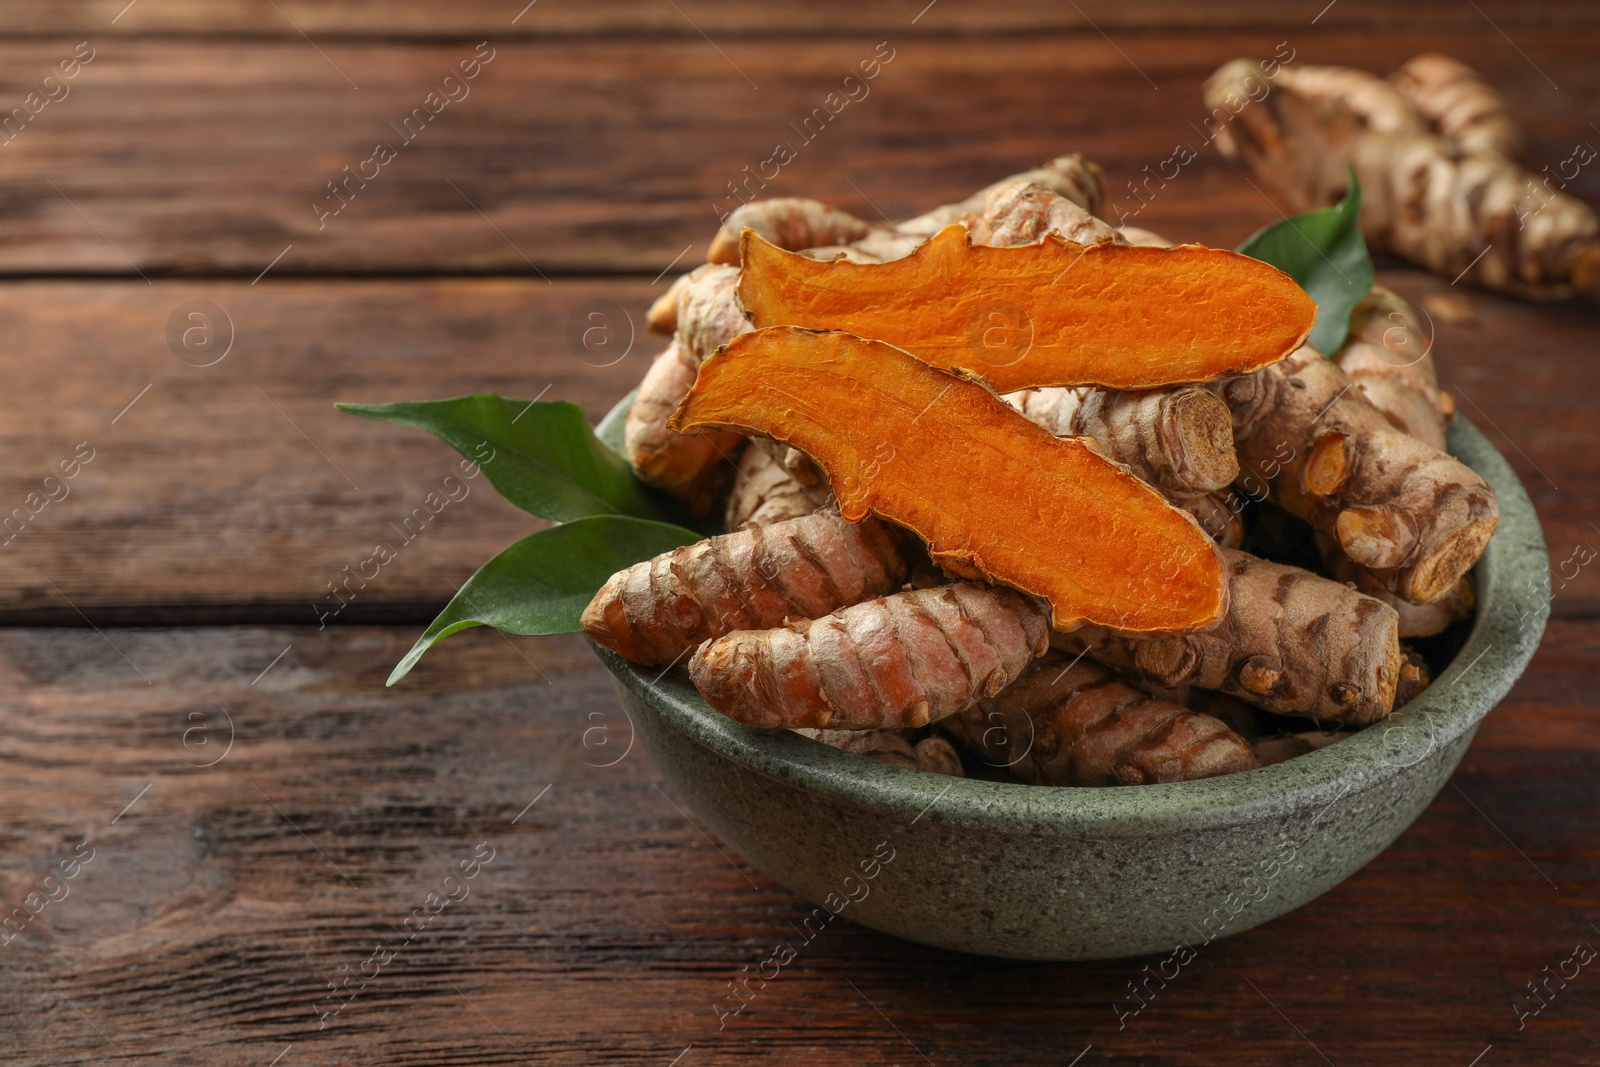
[995,497]
[1047,314]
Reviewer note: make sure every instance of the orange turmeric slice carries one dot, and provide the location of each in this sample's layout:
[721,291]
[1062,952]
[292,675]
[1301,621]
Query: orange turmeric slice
[1045,314]
[995,497]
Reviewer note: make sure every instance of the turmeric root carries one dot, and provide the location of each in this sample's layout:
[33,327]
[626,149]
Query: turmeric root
[828,234]
[1292,643]
[994,496]
[791,223]
[938,756]
[879,246]
[897,662]
[1414,677]
[895,747]
[663,314]
[1479,216]
[1237,715]
[1390,360]
[709,315]
[1425,620]
[1378,104]
[887,746]
[1051,313]
[1178,439]
[1414,516]
[1461,105]
[1069,176]
[1014,212]
[1218,511]
[1076,723]
[1219,515]
[655,611]
[1281,748]
[1416,620]
[1143,238]
[694,470]
[766,492]
[1019,213]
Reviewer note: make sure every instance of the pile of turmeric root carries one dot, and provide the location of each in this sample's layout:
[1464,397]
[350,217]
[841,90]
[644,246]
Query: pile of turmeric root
[1441,163]
[816,611]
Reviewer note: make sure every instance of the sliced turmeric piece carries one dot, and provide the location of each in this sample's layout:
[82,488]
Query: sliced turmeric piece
[995,497]
[1052,313]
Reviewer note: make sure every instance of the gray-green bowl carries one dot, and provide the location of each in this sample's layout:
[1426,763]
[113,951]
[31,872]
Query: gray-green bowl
[1033,872]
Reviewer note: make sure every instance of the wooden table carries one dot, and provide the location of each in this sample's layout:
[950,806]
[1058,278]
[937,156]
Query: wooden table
[246,812]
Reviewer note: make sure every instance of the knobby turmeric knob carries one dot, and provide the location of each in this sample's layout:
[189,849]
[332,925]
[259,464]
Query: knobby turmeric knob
[1379,538]
[899,661]
[1292,642]
[655,611]
[1416,517]
[1260,673]
[1328,466]
[1070,721]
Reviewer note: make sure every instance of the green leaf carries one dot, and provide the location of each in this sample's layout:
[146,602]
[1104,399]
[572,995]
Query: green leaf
[1322,250]
[541,584]
[540,455]
[613,426]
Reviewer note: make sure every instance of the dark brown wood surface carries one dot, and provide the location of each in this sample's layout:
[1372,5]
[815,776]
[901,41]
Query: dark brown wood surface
[170,602]
[602,155]
[235,492]
[366,19]
[217,907]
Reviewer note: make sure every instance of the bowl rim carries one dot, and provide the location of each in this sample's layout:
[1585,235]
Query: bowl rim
[1512,608]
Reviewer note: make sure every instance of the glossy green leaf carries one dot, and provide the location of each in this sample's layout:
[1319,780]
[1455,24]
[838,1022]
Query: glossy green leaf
[541,455]
[1324,251]
[541,584]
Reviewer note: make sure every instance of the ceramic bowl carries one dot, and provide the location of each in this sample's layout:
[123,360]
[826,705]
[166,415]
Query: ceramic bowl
[1032,872]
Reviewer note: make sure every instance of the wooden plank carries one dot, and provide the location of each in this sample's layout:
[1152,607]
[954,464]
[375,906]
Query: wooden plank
[216,908]
[221,494]
[505,18]
[605,156]
[219,476]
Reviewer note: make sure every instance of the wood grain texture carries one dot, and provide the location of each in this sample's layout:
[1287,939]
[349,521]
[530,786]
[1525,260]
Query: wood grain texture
[230,884]
[604,156]
[216,907]
[220,477]
[221,494]
[372,18]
